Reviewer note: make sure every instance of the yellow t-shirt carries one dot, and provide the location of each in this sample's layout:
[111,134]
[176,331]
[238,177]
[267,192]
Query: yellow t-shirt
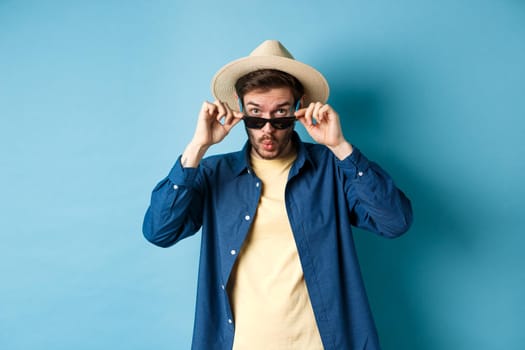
[270,302]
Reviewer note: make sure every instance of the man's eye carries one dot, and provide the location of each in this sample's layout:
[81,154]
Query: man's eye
[281,111]
[254,111]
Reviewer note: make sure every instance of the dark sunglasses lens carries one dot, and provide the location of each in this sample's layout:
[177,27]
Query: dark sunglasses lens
[282,124]
[254,123]
[278,123]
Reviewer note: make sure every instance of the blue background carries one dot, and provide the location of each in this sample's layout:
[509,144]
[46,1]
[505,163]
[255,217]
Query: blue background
[98,98]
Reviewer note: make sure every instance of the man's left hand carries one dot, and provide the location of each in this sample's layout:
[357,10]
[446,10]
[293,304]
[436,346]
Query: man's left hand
[321,121]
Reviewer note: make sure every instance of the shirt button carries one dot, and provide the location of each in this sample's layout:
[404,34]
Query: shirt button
[230,321]
[360,173]
[233,252]
[175,187]
[257,184]
[247,217]
[222,286]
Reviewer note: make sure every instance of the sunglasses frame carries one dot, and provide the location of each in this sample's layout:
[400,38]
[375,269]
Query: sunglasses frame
[277,123]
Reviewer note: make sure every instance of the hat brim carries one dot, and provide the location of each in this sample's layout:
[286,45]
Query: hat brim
[223,83]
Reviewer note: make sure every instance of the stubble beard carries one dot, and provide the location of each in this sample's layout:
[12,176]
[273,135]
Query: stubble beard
[256,145]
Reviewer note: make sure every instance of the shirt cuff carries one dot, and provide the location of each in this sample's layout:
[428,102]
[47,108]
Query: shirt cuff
[180,175]
[355,165]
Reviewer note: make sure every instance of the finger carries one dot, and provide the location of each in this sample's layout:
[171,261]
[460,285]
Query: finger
[221,111]
[324,112]
[234,122]
[303,121]
[229,114]
[205,108]
[238,115]
[315,114]
[308,114]
[300,113]
[210,109]
[235,118]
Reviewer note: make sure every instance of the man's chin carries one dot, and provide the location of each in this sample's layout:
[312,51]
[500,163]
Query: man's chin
[266,154]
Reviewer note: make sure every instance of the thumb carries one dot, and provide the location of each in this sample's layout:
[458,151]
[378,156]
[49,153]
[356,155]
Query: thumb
[300,112]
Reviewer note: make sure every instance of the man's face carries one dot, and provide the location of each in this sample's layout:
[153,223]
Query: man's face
[269,142]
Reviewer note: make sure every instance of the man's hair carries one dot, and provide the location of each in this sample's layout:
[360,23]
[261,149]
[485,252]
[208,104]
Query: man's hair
[266,79]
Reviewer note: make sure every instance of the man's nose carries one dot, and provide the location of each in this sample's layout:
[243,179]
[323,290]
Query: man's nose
[268,128]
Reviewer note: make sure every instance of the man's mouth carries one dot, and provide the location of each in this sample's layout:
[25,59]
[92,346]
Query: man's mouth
[268,144]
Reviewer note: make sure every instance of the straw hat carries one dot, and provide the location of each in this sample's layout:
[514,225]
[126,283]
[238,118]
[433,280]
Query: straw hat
[273,55]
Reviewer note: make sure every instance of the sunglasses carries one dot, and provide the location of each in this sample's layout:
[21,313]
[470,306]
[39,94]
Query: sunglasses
[277,123]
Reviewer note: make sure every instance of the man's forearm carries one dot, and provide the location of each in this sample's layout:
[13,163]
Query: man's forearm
[192,155]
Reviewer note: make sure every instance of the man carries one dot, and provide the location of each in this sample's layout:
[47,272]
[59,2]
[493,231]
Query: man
[278,267]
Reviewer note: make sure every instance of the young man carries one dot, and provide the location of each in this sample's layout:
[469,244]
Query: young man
[278,267]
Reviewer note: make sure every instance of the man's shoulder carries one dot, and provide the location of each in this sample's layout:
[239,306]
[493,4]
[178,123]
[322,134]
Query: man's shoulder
[231,160]
[316,152]
[224,157]
[314,148]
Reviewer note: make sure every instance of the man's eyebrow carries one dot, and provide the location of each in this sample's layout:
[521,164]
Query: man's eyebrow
[278,106]
[284,104]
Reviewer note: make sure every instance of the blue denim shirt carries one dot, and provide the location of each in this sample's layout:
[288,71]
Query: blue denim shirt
[324,197]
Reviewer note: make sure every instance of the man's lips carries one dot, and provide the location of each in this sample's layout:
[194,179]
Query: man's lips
[268,144]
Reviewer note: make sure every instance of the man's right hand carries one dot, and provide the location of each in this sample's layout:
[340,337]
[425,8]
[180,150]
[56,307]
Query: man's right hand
[214,123]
